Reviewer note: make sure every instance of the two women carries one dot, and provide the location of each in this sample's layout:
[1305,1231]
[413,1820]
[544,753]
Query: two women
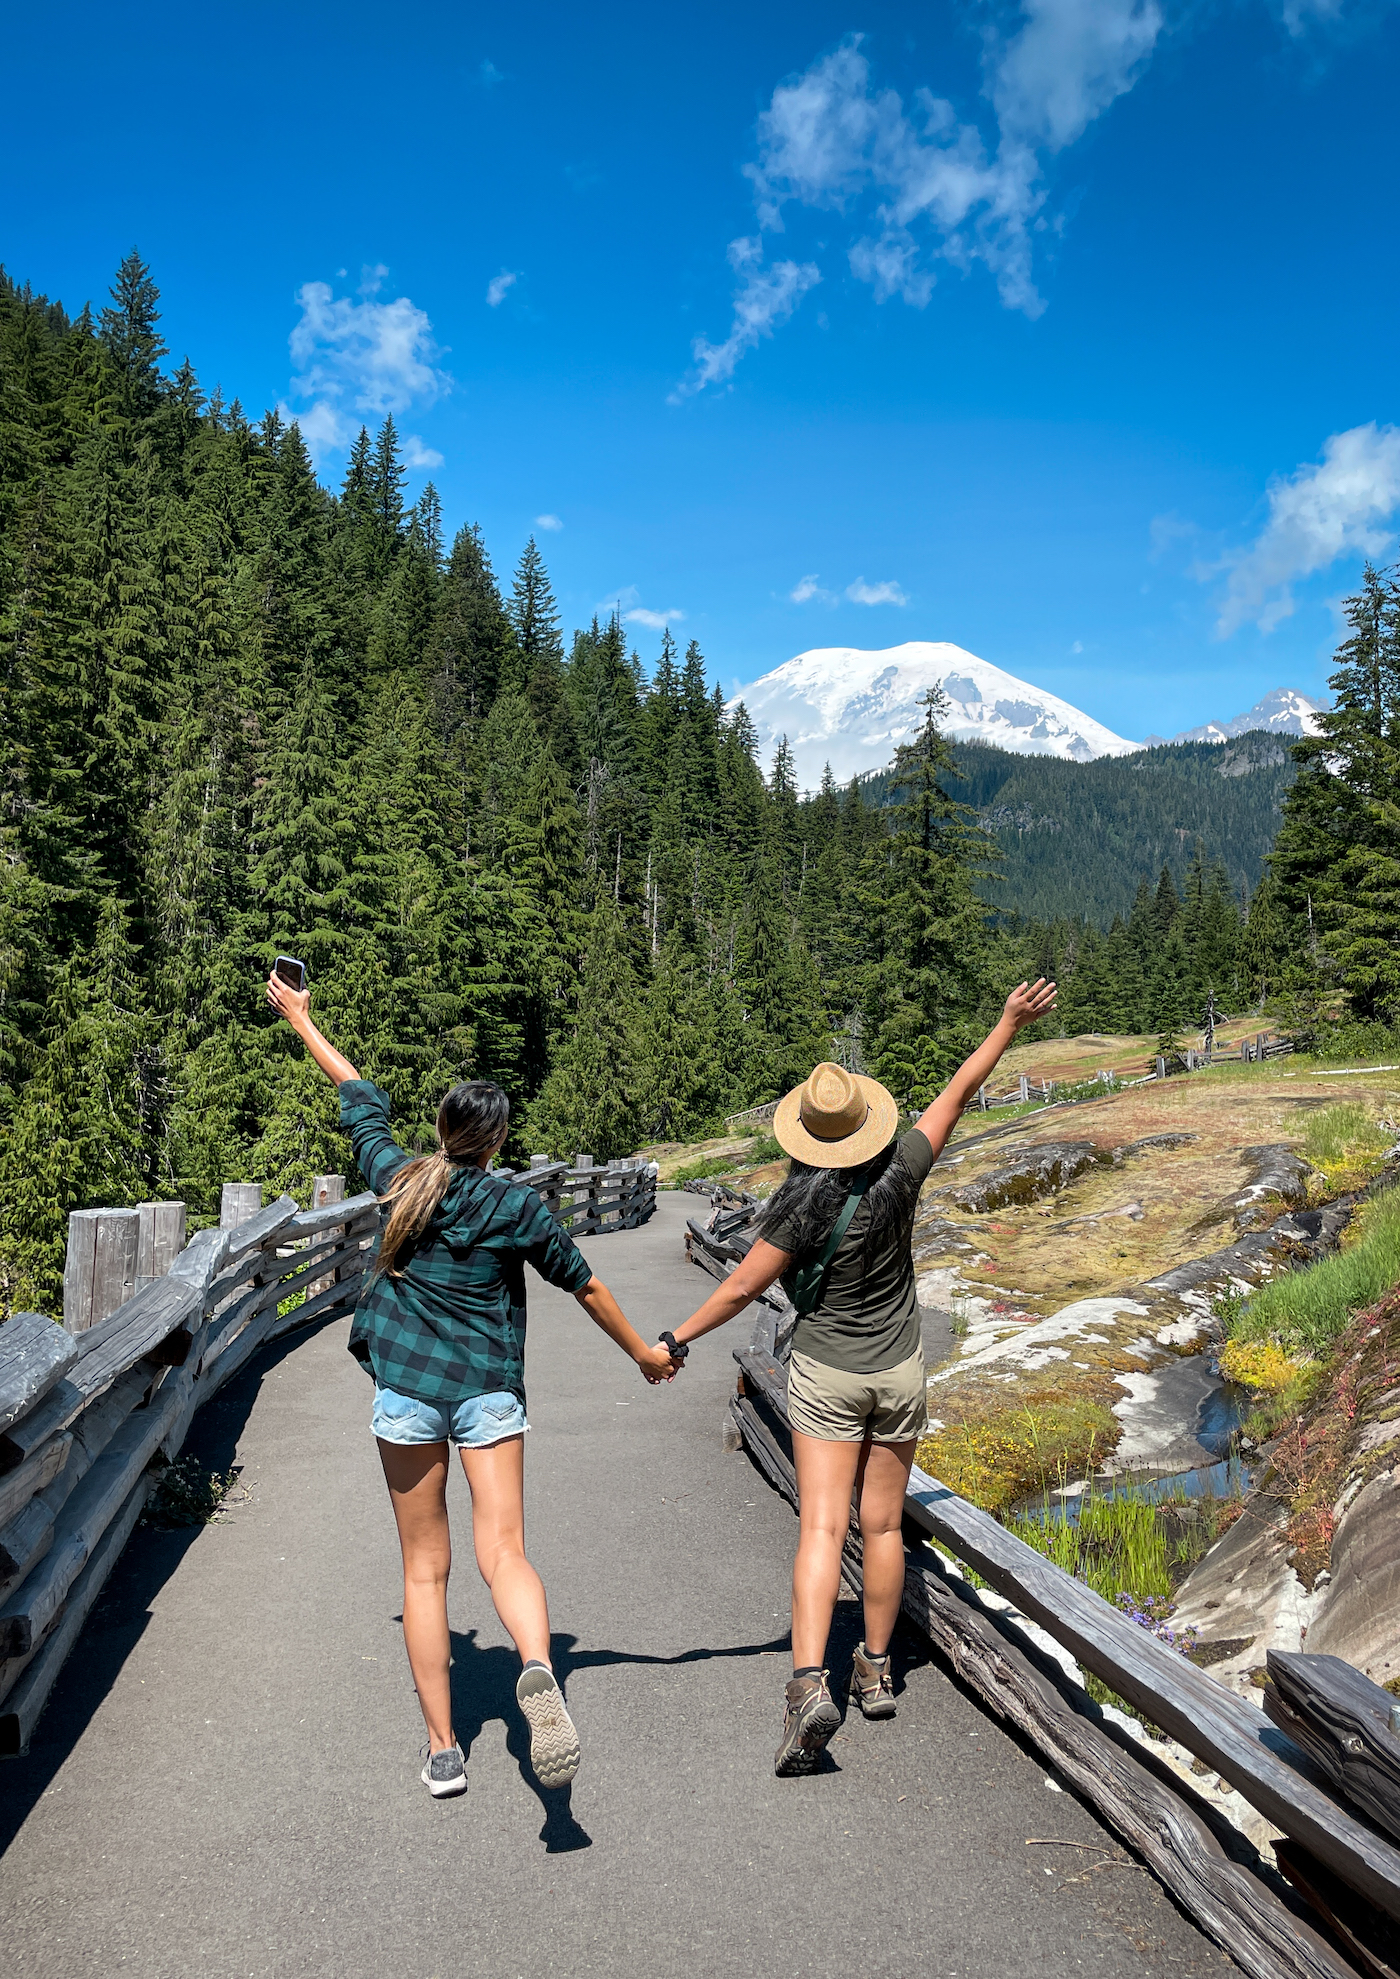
[441,1326]
[856,1384]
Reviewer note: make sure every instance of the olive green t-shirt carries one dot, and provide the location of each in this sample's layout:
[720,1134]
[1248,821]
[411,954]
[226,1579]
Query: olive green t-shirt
[868,1318]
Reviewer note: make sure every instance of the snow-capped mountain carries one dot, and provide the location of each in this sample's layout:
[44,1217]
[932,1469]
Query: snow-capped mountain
[1285,711]
[851,708]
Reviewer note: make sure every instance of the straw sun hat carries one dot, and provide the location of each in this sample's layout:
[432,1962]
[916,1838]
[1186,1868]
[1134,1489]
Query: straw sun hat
[837,1119]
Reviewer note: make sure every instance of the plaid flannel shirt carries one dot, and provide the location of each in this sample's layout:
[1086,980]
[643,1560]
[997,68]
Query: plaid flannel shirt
[452,1324]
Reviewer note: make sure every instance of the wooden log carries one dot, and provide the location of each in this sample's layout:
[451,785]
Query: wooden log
[326,1190]
[1186,1702]
[161,1239]
[1343,1722]
[23,1439]
[1367,1935]
[34,1356]
[23,1542]
[32,1476]
[158,1322]
[200,1259]
[238,1201]
[1166,1826]
[27,1698]
[30,1610]
[362,1210]
[254,1231]
[99,1268]
[94,1430]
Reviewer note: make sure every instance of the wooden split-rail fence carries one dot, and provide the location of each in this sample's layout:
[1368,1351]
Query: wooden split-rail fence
[153,1326]
[1320,1762]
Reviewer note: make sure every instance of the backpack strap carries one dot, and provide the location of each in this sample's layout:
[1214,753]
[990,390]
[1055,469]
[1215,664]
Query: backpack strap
[805,1284]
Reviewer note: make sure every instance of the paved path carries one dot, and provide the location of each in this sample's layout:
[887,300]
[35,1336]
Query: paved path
[226,1780]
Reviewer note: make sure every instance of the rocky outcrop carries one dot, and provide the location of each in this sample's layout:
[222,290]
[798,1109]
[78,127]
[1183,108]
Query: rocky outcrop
[1280,1174]
[1039,1171]
[1244,1597]
[1358,1609]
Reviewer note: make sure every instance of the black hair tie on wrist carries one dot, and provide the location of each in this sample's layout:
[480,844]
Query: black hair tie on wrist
[675,1348]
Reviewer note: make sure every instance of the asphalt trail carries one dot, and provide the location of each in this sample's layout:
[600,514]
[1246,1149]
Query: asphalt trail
[226,1780]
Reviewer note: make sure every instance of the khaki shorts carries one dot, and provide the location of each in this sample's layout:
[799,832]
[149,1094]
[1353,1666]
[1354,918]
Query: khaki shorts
[888,1407]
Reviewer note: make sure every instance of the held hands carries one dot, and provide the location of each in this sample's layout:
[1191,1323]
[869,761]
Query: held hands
[287,1002]
[1027,1002]
[657,1364]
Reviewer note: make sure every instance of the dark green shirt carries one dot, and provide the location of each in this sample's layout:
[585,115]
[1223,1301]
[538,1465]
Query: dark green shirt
[452,1323]
[868,1318]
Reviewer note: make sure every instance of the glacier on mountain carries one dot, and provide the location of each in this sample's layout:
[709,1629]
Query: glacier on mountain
[1283,712]
[852,708]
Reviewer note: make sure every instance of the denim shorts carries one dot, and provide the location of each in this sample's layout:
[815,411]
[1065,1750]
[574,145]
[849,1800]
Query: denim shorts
[473,1424]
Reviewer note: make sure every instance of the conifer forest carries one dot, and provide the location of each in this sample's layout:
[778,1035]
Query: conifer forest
[244,713]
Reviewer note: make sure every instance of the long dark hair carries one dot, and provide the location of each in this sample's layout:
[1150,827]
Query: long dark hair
[471,1124]
[810,1200]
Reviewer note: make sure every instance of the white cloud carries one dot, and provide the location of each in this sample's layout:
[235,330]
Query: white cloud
[1325,509]
[889,593]
[658,621]
[548,522]
[627,603]
[807,588]
[1070,60]
[1078,646]
[415,454]
[922,186]
[363,356]
[499,287]
[767,298]
[488,75]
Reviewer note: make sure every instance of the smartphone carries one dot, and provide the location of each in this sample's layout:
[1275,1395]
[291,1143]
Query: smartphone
[288,970]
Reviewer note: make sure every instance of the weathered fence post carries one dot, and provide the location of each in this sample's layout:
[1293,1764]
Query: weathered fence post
[99,1270]
[162,1238]
[982,1097]
[1161,1068]
[1025,1087]
[239,1201]
[326,1189]
[586,1197]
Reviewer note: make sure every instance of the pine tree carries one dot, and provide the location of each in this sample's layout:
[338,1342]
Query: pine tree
[130,335]
[586,1105]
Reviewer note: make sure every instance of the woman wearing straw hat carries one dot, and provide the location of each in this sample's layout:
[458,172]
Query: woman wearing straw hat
[838,1232]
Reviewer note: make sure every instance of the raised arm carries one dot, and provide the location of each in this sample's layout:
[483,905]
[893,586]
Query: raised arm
[1023,1006]
[295,1006]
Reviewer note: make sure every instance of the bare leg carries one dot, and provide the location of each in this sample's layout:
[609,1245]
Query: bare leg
[416,1474]
[882,1483]
[826,1475]
[496,1477]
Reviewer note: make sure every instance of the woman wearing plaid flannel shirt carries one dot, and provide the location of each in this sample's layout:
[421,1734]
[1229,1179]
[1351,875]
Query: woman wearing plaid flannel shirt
[441,1326]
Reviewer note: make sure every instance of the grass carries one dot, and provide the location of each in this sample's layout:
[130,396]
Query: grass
[757,1154]
[1005,1456]
[1117,1545]
[188,1493]
[704,1168]
[1346,1142]
[1304,1311]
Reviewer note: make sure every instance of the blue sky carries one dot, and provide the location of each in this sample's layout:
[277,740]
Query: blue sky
[1063,330]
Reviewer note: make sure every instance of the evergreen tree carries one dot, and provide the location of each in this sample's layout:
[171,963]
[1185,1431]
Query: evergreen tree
[587,1103]
[131,337]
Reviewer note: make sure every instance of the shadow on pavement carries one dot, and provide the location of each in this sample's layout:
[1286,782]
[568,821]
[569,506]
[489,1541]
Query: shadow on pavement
[483,1691]
[118,1621]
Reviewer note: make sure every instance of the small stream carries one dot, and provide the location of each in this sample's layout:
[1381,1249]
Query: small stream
[1153,1426]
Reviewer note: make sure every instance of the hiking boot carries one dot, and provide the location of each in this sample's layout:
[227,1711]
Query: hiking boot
[445,1772]
[554,1752]
[872,1686]
[811,1719]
